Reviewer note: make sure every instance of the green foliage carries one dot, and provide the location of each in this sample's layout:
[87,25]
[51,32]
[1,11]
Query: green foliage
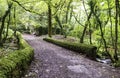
[41,31]
[32,16]
[10,33]
[44,30]
[117,64]
[3,7]
[76,32]
[12,64]
[89,50]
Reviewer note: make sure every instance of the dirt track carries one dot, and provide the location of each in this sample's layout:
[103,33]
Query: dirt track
[52,61]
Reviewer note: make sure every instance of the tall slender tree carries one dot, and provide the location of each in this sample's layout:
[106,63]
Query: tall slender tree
[49,19]
[116,28]
[3,22]
[86,24]
[94,9]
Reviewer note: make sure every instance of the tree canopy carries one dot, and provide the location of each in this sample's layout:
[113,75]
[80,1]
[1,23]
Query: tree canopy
[91,21]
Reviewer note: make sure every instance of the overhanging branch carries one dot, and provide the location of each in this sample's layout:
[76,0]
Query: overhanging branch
[25,8]
[78,21]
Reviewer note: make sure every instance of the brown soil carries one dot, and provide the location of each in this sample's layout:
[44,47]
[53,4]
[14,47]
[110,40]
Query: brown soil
[52,61]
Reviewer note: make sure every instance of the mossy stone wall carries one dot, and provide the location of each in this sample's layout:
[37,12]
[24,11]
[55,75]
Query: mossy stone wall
[14,64]
[88,50]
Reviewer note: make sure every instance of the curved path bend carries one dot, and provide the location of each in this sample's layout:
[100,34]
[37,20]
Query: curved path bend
[51,61]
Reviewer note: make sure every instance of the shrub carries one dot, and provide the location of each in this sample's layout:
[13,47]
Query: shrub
[116,64]
[89,50]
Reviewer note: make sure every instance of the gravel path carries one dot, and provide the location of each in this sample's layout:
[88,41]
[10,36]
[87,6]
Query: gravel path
[52,61]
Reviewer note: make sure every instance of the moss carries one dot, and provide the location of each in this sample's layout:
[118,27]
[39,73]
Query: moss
[89,50]
[117,64]
[12,65]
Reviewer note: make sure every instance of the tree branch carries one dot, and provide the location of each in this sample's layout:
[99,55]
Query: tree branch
[78,21]
[25,8]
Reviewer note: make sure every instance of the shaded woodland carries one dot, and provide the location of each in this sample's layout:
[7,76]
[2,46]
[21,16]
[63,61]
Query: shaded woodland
[94,22]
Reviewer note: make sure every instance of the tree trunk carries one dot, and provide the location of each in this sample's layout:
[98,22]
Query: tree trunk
[90,34]
[102,36]
[111,31]
[3,22]
[101,30]
[116,29]
[15,20]
[58,20]
[8,23]
[86,25]
[66,17]
[49,21]
[68,8]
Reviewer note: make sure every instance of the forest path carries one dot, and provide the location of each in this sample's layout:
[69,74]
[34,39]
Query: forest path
[51,61]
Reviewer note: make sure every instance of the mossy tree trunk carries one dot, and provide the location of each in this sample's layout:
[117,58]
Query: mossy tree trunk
[101,30]
[3,22]
[58,20]
[8,24]
[85,28]
[15,20]
[102,36]
[86,25]
[49,20]
[66,17]
[116,29]
[111,24]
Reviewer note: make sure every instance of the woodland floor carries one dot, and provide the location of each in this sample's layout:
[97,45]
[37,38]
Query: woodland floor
[51,61]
